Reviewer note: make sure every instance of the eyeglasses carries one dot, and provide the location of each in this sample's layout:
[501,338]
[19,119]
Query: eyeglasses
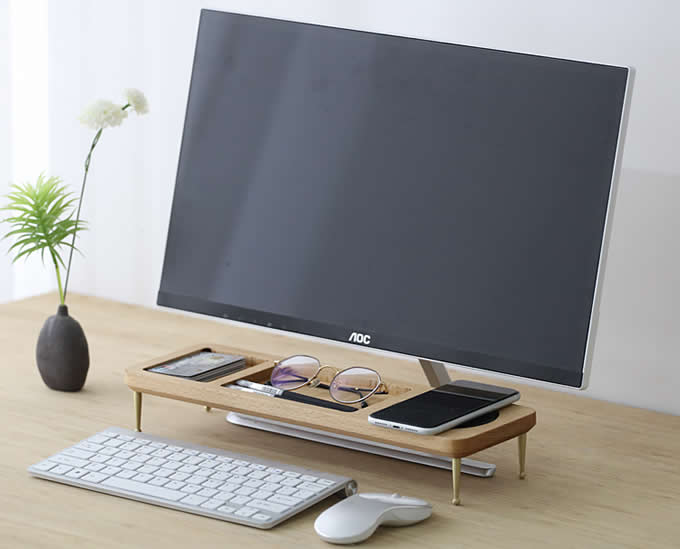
[349,386]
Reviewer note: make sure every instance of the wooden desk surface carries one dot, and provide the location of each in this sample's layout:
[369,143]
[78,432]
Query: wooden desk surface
[599,474]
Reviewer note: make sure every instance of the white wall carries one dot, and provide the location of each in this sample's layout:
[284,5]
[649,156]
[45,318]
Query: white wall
[96,49]
[6,274]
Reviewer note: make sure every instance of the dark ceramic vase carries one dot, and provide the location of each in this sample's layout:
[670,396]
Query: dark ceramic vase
[62,353]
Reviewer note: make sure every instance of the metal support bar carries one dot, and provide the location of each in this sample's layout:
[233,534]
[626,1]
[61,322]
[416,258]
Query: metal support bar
[435,372]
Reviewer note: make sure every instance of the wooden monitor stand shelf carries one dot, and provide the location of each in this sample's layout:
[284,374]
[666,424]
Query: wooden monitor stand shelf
[513,421]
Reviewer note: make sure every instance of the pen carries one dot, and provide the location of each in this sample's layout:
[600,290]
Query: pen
[288,395]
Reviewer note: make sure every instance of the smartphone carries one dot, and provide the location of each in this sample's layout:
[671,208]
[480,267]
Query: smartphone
[444,407]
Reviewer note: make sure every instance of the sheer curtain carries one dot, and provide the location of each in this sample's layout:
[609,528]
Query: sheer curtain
[23,127]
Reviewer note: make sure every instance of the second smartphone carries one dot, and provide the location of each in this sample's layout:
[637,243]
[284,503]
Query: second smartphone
[445,407]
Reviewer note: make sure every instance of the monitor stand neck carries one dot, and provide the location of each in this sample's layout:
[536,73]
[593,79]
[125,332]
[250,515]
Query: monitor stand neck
[435,372]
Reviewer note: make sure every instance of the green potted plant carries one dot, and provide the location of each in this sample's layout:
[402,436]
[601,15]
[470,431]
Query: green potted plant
[45,220]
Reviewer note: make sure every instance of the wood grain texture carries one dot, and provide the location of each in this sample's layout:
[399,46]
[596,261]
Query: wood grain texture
[598,474]
[511,422]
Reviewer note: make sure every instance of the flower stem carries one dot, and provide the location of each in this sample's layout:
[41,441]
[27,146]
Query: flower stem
[62,295]
[80,204]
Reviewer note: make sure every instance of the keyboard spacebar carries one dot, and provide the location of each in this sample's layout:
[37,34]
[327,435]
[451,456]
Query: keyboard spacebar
[141,488]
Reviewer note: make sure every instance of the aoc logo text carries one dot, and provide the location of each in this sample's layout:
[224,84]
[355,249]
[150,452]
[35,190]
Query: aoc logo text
[356,337]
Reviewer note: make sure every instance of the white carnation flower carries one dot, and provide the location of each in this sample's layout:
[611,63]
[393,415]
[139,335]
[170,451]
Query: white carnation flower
[103,114]
[137,100]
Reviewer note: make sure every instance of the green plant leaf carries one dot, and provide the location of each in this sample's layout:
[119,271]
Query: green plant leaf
[41,218]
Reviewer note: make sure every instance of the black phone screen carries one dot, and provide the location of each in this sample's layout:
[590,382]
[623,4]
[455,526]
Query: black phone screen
[440,406]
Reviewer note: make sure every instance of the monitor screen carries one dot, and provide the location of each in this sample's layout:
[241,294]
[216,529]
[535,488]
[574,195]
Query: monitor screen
[443,201]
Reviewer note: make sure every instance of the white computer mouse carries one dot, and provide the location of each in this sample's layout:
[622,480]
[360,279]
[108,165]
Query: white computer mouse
[356,518]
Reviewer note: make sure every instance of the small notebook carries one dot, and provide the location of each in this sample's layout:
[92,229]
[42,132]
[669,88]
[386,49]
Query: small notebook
[201,366]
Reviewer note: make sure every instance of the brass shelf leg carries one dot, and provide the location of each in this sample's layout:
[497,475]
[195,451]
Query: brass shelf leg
[208,408]
[138,412]
[522,447]
[455,470]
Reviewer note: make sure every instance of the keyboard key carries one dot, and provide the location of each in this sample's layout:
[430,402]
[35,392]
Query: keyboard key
[210,463]
[156,462]
[286,490]
[270,487]
[106,451]
[96,477]
[239,500]
[175,485]
[158,481]
[284,500]
[126,437]
[311,486]
[76,473]
[226,509]
[68,460]
[142,441]
[124,454]
[207,455]
[141,477]
[147,469]
[268,506]
[258,475]
[252,483]
[161,492]
[245,491]
[274,470]
[161,453]
[223,496]
[260,517]
[131,465]
[325,482]
[111,470]
[291,474]
[174,465]
[304,494]
[139,458]
[261,494]
[90,446]
[114,443]
[225,467]
[190,488]
[180,476]
[196,480]
[274,478]
[129,446]
[159,444]
[188,469]
[212,483]
[163,472]
[76,452]
[240,462]
[207,492]
[205,473]
[190,452]
[94,466]
[223,459]
[193,500]
[172,457]
[290,481]
[220,476]
[244,471]
[235,479]
[109,434]
[309,478]
[126,473]
[175,448]
[258,466]
[61,469]
[245,512]
[98,458]
[193,460]
[115,462]
[44,465]
[98,439]
[212,504]
[146,450]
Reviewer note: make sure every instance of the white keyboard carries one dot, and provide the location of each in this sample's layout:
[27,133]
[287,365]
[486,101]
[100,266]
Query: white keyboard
[196,479]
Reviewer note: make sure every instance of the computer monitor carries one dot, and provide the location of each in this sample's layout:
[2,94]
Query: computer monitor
[442,201]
